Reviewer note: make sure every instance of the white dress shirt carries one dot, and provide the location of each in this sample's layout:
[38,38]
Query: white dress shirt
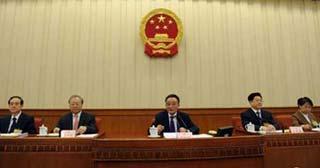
[11,120]
[256,111]
[306,117]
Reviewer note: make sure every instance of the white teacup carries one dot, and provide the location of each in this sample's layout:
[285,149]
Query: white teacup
[153,131]
[250,127]
[43,130]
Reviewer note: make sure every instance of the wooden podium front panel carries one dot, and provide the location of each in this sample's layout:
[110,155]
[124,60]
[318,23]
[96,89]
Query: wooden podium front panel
[156,153]
[268,151]
[292,150]
[35,152]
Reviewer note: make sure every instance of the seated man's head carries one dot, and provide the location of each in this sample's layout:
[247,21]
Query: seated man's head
[305,104]
[255,100]
[172,103]
[15,104]
[75,103]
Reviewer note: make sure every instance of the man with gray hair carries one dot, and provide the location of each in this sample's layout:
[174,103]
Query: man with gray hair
[76,119]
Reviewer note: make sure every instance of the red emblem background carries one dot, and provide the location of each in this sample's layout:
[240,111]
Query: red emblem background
[161,31]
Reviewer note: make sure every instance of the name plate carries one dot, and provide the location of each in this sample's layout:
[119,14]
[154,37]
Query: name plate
[68,133]
[177,135]
[296,130]
[183,135]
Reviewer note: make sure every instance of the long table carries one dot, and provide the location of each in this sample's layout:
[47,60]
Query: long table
[283,150]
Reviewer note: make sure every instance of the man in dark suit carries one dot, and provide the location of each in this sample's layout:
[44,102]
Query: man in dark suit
[262,120]
[17,121]
[173,120]
[82,122]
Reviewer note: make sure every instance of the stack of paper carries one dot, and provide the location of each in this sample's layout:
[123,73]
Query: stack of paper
[202,136]
[87,136]
[316,129]
[10,134]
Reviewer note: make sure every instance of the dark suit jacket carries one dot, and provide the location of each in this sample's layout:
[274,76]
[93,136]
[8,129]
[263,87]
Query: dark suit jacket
[250,116]
[86,119]
[25,123]
[183,120]
[298,119]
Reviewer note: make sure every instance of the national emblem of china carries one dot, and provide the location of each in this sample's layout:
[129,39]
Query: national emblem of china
[161,32]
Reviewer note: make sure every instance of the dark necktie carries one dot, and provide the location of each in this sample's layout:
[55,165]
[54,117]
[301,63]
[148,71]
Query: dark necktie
[171,125]
[260,117]
[14,125]
[258,114]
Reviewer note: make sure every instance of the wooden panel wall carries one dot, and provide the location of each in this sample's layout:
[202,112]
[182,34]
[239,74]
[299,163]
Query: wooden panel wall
[135,122]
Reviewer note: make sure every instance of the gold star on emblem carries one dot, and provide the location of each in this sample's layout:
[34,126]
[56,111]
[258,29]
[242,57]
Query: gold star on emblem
[170,21]
[157,27]
[165,27]
[151,21]
[161,19]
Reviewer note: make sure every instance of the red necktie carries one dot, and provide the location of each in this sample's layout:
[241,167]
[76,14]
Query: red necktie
[75,122]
